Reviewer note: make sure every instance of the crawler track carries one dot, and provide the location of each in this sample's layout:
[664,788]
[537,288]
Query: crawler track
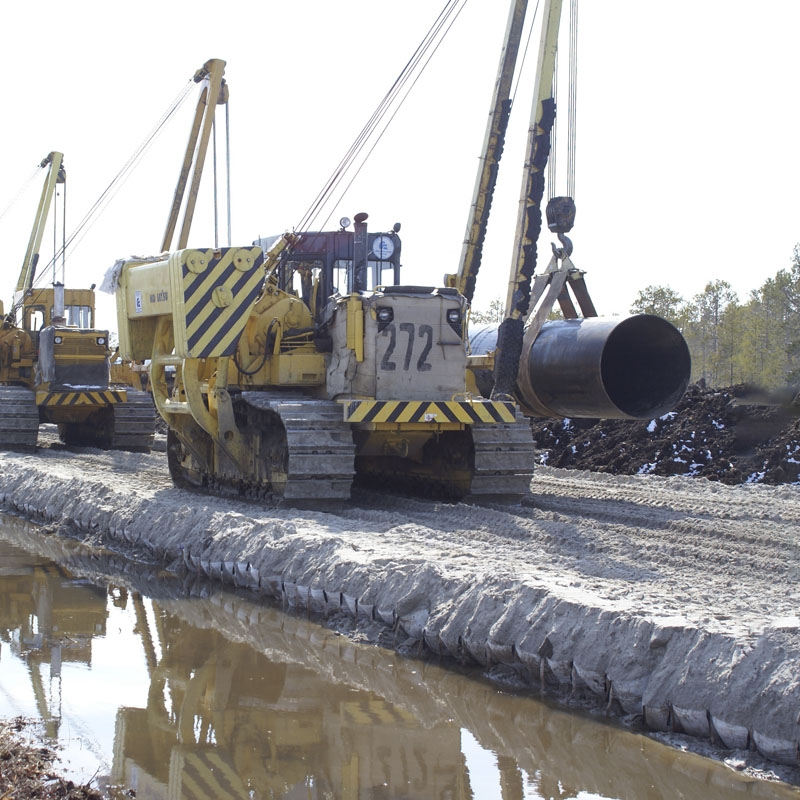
[303,452]
[19,418]
[128,425]
[134,423]
[504,459]
[486,461]
[319,450]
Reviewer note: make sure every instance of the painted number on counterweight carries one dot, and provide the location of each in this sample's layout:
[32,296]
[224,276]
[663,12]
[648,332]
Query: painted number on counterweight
[409,337]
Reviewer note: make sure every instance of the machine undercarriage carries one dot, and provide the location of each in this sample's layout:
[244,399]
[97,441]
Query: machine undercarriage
[112,419]
[303,451]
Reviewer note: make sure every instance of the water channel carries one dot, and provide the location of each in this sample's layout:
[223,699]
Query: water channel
[179,689]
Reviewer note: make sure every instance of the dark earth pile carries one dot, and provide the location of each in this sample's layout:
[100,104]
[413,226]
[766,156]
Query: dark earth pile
[734,435]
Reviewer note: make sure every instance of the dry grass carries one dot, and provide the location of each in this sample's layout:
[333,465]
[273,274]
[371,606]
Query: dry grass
[26,768]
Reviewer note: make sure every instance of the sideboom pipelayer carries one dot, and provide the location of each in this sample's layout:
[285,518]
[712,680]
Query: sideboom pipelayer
[54,365]
[302,363]
[289,393]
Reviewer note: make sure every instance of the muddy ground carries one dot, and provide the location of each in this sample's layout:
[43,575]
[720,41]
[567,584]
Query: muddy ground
[734,435]
[666,594]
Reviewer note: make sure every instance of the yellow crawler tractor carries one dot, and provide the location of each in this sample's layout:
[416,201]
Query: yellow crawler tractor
[302,368]
[292,377]
[303,363]
[54,366]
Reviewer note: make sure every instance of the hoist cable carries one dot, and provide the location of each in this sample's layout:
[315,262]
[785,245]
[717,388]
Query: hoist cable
[55,229]
[134,160]
[344,164]
[552,159]
[214,178]
[383,108]
[391,118]
[228,164]
[54,260]
[22,189]
[34,292]
[521,67]
[571,112]
[573,96]
[64,236]
[215,170]
[122,176]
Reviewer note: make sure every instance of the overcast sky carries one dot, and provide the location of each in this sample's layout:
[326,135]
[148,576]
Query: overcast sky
[687,155]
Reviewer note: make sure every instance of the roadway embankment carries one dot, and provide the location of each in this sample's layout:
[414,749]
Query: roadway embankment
[672,601]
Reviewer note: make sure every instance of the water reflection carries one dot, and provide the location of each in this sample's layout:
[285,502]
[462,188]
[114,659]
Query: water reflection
[219,697]
[232,720]
[47,619]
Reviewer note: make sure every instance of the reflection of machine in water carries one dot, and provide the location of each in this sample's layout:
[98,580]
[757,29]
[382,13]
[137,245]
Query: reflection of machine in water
[47,617]
[278,707]
[246,701]
[224,721]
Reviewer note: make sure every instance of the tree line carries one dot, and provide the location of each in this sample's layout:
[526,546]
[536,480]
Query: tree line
[755,341]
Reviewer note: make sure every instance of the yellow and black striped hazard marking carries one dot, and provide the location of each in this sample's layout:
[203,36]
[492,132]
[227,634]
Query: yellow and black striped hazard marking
[87,397]
[212,328]
[209,774]
[376,712]
[462,411]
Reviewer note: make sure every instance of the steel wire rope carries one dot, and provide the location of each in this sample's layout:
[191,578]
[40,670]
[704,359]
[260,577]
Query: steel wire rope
[325,192]
[22,189]
[228,163]
[374,119]
[214,179]
[552,157]
[54,261]
[37,277]
[345,164]
[391,118]
[135,159]
[215,169]
[227,174]
[572,90]
[524,54]
[119,179]
[572,102]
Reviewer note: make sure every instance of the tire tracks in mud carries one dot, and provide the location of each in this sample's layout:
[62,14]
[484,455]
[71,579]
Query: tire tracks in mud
[675,598]
[683,546]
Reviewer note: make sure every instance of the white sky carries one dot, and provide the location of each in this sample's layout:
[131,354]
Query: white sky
[687,155]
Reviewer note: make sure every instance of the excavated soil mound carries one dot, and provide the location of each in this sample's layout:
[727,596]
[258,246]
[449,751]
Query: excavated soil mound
[734,435]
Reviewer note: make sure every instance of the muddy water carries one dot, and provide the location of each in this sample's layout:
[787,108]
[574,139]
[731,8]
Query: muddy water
[181,690]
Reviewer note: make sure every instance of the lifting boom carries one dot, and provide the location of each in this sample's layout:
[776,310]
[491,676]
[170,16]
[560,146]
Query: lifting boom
[214,92]
[55,175]
[529,218]
[581,366]
[493,144]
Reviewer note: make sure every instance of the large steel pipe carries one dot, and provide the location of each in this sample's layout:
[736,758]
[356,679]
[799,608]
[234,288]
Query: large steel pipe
[598,367]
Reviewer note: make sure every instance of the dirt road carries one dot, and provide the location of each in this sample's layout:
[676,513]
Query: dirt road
[671,598]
